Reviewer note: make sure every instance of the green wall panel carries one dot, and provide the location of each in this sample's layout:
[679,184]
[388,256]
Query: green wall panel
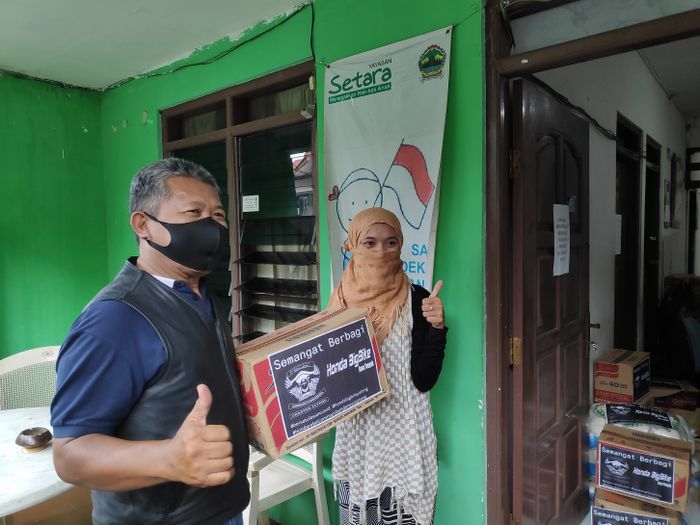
[130,114]
[72,154]
[342,29]
[52,258]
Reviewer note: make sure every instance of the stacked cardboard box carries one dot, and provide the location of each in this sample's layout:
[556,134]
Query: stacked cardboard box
[643,459]
[621,376]
[641,474]
[614,508]
[682,400]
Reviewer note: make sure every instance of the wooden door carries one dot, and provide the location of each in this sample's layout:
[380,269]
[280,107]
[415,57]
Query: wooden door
[550,379]
[627,191]
[652,243]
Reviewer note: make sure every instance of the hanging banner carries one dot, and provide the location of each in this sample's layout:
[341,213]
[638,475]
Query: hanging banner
[384,125]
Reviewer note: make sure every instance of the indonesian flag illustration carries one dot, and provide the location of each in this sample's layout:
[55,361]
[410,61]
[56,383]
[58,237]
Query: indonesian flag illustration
[407,187]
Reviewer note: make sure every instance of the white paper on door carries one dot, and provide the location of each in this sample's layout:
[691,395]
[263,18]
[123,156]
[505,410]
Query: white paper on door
[562,239]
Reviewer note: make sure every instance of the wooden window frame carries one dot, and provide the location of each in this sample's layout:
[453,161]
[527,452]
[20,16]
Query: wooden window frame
[271,83]
[230,97]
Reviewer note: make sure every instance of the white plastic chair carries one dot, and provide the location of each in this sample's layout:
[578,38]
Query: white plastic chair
[28,379]
[273,481]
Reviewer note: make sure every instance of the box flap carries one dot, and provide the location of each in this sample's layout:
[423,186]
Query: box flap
[653,443]
[316,324]
[611,500]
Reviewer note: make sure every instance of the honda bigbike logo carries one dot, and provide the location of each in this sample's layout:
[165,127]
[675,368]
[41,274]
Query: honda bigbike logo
[302,381]
[616,467]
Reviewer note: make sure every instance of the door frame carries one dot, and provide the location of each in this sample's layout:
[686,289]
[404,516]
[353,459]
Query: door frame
[652,207]
[500,68]
[629,153]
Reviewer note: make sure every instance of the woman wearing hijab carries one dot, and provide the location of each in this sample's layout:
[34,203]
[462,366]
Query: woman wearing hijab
[385,457]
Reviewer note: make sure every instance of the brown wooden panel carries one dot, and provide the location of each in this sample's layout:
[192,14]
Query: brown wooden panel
[547,487]
[570,284]
[627,204]
[263,124]
[498,267]
[545,167]
[546,295]
[518,10]
[570,371]
[546,390]
[645,34]
[231,104]
[553,377]
[276,81]
[198,140]
[571,462]
[572,181]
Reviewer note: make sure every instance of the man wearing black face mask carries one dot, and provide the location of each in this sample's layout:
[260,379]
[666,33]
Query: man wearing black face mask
[147,411]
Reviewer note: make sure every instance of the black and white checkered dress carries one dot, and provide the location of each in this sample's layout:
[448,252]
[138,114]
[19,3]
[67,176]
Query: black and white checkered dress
[385,457]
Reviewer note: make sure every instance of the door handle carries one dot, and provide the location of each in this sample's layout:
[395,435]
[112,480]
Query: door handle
[594,325]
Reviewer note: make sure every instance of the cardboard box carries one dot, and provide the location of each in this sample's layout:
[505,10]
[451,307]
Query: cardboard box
[302,380]
[672,394]
[615,508]
[678,397]
[621,376]
[644,466]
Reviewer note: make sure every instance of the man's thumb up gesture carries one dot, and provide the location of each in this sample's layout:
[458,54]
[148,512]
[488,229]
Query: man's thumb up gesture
[202,455]
[200,411]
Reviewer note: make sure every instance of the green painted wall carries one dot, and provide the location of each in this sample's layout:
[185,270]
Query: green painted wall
[131,137]
[344,29]
[53,255]
[130,120]
[72,154]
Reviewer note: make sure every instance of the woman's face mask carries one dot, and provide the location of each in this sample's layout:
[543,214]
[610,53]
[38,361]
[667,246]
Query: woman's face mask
[198,245]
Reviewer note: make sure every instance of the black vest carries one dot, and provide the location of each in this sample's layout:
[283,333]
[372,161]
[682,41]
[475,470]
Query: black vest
[198,350]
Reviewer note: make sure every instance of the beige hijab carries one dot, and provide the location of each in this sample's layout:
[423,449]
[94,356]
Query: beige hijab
[371,280]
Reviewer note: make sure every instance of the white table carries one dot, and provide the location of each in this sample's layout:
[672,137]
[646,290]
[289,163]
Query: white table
[26,479]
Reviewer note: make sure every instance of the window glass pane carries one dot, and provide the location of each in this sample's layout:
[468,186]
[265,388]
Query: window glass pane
[278,272]
[276,173]
[203,123]
[285,101]
[213,157]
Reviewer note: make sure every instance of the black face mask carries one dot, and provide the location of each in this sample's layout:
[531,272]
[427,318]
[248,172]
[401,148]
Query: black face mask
[198,245]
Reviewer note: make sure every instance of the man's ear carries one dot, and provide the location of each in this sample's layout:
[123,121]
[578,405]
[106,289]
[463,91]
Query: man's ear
[139,223]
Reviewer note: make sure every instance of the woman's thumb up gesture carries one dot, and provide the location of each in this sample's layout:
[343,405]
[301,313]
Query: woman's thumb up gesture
[432,308]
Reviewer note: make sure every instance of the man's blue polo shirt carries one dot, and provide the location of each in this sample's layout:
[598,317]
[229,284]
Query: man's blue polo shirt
[108,357]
